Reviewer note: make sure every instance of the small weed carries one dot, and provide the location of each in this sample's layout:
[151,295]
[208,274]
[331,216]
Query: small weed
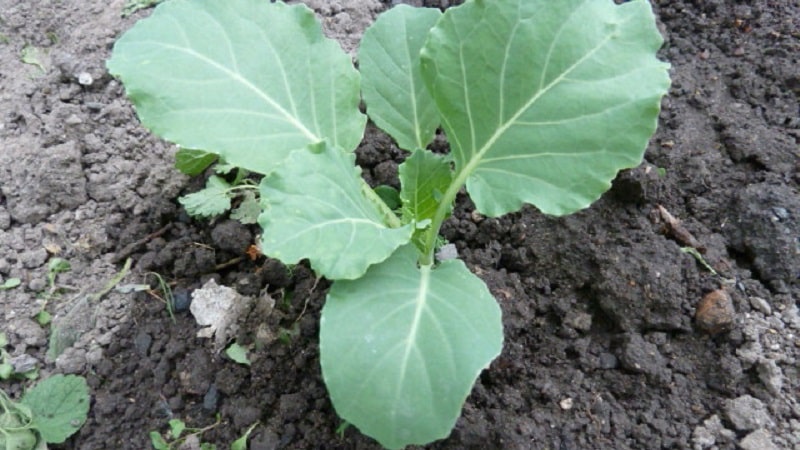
[175,437]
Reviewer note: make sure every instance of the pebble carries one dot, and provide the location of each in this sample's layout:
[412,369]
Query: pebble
[566,404]
[771,375]
[747,413]
[142,343]
[758,440]
[715,313]
[85,79]
[211,398]
[760,304]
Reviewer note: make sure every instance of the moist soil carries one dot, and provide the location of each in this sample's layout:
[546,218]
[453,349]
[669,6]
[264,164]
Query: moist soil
[616,336]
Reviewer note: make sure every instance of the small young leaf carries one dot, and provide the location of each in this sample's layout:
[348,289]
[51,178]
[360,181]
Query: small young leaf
[6,370]
[43,318]
[248,210]
[193,162]
[3,340]
[210,201]
[158,442]
[238,354]
[241,443]
[424,335]
[389,195]
[543,101]
[176,427]
[316,210]
[250,80]
[10,283]
[59,405]
[424,176]
[393,90]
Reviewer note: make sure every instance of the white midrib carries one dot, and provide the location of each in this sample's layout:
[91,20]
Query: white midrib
[291,119]
[411,340]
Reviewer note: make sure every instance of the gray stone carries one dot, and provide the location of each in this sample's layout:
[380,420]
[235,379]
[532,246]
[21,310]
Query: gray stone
[758,440]
[760,304]
[771,375]
[747,413]
[640,356]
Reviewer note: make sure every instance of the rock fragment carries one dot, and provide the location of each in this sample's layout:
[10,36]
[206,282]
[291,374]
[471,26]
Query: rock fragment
[715,313]
[747,413]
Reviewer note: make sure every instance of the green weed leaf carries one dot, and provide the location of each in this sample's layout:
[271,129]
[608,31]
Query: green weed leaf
[210,201]
[59,406]
[248,210]
[193,162]
[401,347]
[544,102]
[316,210]
[249,80]
[393,90]
[238,354]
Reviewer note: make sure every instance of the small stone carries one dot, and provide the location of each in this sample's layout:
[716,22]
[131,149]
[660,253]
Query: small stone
[759,304]
[23,363]
[578,320]
[747,413]
[566,404]
[73,119]
[715,313]
[142,343]
[771,375]
[85,79]
[640,356]
[447,251]
[758,440]
[211,398]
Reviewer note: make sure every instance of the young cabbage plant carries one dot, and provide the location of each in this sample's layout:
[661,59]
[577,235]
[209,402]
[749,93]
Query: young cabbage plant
[542,103]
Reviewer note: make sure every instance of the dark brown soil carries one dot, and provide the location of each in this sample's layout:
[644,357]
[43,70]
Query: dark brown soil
[602,348]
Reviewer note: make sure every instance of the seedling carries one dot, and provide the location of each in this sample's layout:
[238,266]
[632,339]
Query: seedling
[542,103]
[215,199]
[179,434]
[7,369]
[48,413]
[10,283]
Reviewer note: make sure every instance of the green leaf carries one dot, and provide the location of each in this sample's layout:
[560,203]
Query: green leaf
[193,162]
[10,283]
[176,427]
[249,80]
[238,354]
[401,347]
[393,90]
[389,196]
[59,405]
[158,442]
[6,370]
[316,209]
[3,340]
[248,210]
[544,102]
[424,176]
[43,318]
[241,443]
[210,201]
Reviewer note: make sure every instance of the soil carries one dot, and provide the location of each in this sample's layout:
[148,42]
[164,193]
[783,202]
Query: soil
[615,336]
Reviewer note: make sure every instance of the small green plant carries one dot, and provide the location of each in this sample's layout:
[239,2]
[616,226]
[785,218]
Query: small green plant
[7,369]
[542,103]
[48,413]
[179,434]
[10,283]
[216,198]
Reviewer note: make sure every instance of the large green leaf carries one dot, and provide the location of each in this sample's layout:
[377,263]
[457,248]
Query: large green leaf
[247,79]
[393,90]
[545,101]
[317,209]
[59,405]
[401,347]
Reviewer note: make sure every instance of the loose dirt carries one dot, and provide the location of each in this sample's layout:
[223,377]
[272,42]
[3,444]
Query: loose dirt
[607,343]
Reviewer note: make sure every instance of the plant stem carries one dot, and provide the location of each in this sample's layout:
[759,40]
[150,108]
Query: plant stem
[427,257]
